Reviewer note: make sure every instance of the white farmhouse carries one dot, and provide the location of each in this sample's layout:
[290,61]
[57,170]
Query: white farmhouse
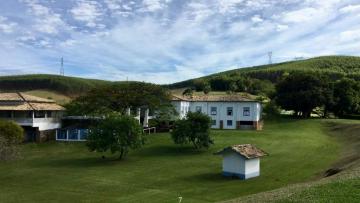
[39,117]
[241,161]
[226,112]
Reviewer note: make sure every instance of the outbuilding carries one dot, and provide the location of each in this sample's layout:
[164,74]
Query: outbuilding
[241,161]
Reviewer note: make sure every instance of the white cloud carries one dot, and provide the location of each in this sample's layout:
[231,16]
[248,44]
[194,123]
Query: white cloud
[350,35]
[154,5]
[300,16]
[228,6]
[113,4]
[46,20]
[89,12]
[257,19]
[350,8]
[6,26]
[281,28]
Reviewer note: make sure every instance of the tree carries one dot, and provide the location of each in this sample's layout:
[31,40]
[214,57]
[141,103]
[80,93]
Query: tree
[118,97]
[301,93]
[115,133]
[207,89]
[165,114]
[11,134]
[194,129]
[188,92]
[346,98]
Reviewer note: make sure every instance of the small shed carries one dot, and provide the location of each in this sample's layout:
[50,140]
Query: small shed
[242,160]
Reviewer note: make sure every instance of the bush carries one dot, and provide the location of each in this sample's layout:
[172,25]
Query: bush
[11,135]
[271,110]
[116,133]
[194,129]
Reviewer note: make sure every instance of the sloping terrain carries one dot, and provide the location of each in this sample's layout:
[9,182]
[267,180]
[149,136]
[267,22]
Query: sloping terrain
[340,183]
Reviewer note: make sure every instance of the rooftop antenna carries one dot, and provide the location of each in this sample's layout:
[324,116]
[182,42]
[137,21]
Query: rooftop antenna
[270,56]
[62,66]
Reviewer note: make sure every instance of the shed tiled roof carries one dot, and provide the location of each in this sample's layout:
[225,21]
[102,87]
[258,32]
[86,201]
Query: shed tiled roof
[25,102]
[246,150]
[215,98]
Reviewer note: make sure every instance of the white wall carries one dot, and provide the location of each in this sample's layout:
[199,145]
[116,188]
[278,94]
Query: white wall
[233,163]
[252,168]
[236,164]
[221,114]
[182,107]
[46,123]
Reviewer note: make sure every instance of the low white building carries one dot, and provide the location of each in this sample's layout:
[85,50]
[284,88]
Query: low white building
[241,161]
[226,111]
[39,117]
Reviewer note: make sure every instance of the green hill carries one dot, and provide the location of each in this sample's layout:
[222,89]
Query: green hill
[334,66]
[70,86]
[255,80]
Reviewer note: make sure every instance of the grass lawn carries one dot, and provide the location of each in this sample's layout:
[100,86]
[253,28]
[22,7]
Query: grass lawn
[160,172]
[48,94]
[336,191]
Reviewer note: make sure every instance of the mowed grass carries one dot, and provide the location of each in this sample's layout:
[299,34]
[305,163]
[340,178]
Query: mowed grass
[299,151]
[48,94]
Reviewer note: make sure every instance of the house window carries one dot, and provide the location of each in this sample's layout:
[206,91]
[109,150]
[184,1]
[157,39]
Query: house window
[213,122]
[73,134]
[83,134]
[229,122]
[5,114]
[198,109]
[39,114]
[229,111]
[49,114]
[213,111]
[246,111]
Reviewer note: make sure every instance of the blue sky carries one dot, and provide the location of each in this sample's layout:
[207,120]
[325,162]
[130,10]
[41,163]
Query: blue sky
[165,41]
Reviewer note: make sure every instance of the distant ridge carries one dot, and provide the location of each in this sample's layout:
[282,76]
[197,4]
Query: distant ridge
[336,66]
[63,84]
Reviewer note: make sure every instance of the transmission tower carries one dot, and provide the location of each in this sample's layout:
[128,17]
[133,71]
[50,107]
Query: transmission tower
[270,57]
[62,72]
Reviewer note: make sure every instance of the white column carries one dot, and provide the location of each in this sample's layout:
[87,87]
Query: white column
[138,111]
[128,111]
[146,118]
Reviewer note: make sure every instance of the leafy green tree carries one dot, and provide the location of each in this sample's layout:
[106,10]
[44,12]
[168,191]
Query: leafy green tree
[188,92]
[194,129]
[118,97]
[301,93]
[11,134]
[165,114]
[207,89]
[346,97]
[116,134]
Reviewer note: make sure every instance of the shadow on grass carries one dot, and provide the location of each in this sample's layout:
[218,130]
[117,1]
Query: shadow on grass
[171,151]
[86,162]
[211,177]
